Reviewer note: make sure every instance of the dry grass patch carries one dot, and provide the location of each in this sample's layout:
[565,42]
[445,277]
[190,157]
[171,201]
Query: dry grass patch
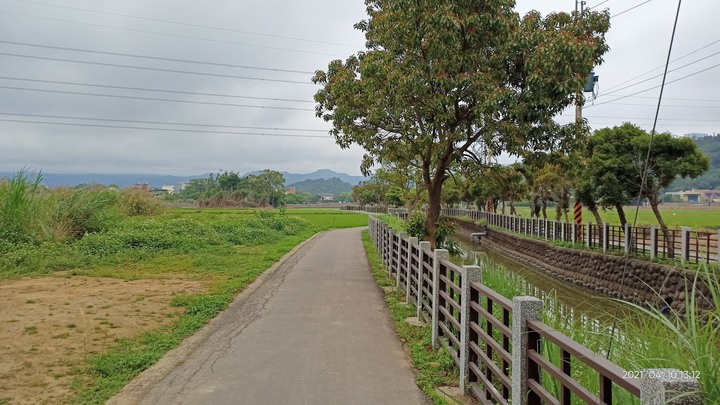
[50,325]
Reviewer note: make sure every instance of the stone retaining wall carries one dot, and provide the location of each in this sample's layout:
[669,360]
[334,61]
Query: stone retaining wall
[645,282]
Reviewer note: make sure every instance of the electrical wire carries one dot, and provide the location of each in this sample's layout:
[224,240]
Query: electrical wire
[79,93]
[654,87]
[589,8]
[608,91]
[69,117]
[612,88]
[162,129]
[185,23]
[644,175]
[630,9]
[107,86]
[63,48]
[221,41]
[187,72]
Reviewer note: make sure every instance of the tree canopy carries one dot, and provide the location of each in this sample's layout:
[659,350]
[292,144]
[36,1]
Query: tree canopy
[438,77]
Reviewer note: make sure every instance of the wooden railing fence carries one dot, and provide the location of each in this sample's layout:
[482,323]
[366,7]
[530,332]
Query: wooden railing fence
[497,342]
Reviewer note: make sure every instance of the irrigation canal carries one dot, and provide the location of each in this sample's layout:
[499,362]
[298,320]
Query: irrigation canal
[561,297]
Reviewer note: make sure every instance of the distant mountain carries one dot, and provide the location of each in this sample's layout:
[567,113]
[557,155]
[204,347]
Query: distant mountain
[154,180]
[323,186]
[710,146]
[120,180]
[292,178]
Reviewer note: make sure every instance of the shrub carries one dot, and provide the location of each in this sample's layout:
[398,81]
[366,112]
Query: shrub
[138,202]
[20,211]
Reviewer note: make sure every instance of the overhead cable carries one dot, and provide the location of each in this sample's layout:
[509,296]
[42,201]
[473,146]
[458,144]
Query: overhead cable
[80,93]
[94,51]
[186,24]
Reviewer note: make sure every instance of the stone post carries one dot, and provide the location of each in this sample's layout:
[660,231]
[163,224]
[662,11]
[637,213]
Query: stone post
[562,230]
[574,228]
[547,229]
[685,244]
[400,270]
[627,239]
[440,254]
[424,247]
[412,241]
[588,235]
[653,242]
[391,252]
[524,308]
[605,236]
[663,386]
[468,275]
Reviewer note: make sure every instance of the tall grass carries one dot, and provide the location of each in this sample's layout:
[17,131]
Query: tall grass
[74,212]
[688,339]
[20,211]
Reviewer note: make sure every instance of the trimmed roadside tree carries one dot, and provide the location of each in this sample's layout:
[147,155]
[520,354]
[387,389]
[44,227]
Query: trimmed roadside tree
[440,76]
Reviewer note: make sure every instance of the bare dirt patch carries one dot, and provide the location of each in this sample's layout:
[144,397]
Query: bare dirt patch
[50,325]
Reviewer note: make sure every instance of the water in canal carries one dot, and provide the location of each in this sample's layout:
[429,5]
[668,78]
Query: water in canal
[596,312]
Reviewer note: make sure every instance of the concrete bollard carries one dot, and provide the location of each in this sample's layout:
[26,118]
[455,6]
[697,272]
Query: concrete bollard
[412,241]
[440,254]
[685,244]
[524,309]
[605,236]
[424,248]
[669,386]
[468,274]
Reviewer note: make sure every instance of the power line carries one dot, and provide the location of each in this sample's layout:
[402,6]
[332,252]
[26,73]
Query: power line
[68,117]
[589,8]
[630,9]
[107,86]
[79,93]
[661,74]
[654,87]
[653,105]
[188,72]
[154,57]
[162,129]
[186,24]
[660,119]
[662,66]
[166,34]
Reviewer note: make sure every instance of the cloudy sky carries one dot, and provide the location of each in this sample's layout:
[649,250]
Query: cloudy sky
[187,87]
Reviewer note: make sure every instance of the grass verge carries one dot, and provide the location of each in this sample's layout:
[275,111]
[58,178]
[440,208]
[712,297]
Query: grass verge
[434,368]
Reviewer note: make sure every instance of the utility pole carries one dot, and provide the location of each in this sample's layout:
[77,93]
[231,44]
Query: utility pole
[577,209]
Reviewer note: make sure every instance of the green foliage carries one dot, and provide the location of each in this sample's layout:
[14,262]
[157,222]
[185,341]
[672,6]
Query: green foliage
[20,209]
[441,76]
[323,186]
[710,146]
[415,226]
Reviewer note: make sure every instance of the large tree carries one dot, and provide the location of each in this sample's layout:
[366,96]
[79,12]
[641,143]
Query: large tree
[440,76]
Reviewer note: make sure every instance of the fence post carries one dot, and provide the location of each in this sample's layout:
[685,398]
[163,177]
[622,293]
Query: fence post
[412,241]
[588,235]
[627,238]
[653,242]
[424,246]
[574,229]
[605,236]
[685,244]
[391,250]
[469,274]
[562,230]
[401,236]
[523,309]
[440,254]
[547,229]
[662,386]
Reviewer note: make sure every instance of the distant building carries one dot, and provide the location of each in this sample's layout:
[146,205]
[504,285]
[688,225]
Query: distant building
[327,197]
[144,186]
[700,196]
[696,135]
[291,190]
[169,188]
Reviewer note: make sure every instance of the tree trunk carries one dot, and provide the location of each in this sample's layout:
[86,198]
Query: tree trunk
[596,214]
[544,208]
[503,207]
[654,204]
[513,211]
[621,215]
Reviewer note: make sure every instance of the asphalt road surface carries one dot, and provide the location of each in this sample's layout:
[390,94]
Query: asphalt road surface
[314,329]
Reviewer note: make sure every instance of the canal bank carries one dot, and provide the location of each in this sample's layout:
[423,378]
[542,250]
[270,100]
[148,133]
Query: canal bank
[640,282]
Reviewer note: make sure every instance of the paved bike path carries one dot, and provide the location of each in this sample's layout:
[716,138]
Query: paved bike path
[313,330]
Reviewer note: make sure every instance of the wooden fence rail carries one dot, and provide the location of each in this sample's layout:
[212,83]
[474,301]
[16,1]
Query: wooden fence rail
[497,342]
[685,244]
